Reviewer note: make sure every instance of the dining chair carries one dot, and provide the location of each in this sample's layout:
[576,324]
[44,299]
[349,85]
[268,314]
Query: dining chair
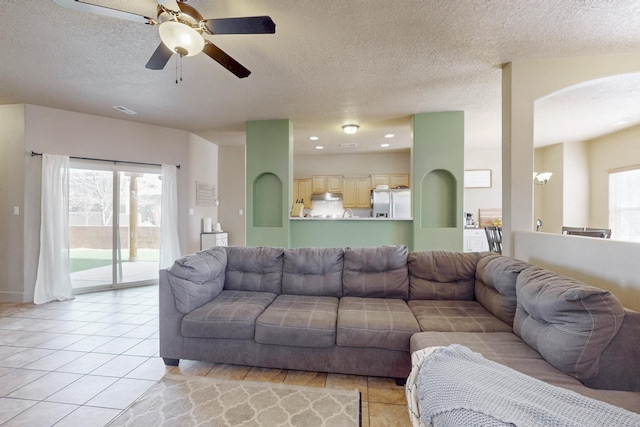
[494,238]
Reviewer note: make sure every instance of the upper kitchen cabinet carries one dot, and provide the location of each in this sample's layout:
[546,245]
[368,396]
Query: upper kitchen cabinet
[302,191]
[356,193]
[327,183]
[392,181]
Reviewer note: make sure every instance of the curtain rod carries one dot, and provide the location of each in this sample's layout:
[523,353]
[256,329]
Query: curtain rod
[33,153]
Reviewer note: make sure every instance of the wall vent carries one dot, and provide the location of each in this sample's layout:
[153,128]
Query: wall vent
[349,145]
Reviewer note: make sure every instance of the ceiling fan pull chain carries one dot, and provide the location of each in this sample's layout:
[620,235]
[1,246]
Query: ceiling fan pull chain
[180,61]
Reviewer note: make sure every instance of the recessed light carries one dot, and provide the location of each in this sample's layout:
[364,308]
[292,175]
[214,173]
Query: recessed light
[389,135]
[319,147]
[384,145]
[314,138]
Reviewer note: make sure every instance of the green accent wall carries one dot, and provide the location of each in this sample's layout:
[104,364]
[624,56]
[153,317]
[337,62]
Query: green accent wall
[437,180]
[350,233]
[269,173]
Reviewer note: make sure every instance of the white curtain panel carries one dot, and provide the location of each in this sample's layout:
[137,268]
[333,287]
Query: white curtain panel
[169,242]
[53,281]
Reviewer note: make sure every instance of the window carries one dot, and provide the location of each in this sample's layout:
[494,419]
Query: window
[114,225]
[624,204]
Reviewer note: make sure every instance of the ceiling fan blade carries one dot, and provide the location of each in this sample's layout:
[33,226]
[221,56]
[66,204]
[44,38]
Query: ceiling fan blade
[170,4]
[247,25]
[159,58]
[102,10]
[215,53]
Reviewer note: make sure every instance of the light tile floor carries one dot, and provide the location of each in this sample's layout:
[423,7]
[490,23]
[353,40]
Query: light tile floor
[81,362]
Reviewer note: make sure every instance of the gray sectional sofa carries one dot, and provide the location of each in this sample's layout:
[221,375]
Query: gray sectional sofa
[363,310]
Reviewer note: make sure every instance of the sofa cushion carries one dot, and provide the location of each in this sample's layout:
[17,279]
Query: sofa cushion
[509,350]
[299,321]
[232,314]
[254,269]
[197,278]
[376,272]
[495,286]
[568,322]
[441,275]
[455,316]
[375,323]
[313,271]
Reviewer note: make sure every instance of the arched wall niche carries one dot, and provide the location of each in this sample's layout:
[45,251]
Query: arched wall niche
[438,198]
[267,200]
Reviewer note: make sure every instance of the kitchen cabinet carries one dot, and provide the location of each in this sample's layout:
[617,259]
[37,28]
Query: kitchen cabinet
[475,240]
[302,191]
[398,180]
[356,193]
[393,180]
[326,183]
[379,180]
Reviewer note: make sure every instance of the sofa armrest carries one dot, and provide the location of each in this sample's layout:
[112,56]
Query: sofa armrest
[619,368]
[171,340]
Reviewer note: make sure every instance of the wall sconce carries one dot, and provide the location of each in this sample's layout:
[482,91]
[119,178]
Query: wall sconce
[542,178]
[350,129]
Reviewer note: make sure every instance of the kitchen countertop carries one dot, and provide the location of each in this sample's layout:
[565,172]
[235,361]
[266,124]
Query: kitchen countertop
[349,219]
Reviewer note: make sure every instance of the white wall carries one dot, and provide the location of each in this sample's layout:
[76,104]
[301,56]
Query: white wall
[53,131]
[232,193]
[203,167]
[477,198]
[604,263]
[548,198]
[11,194]
[575,200]
[352,165]
[616,150]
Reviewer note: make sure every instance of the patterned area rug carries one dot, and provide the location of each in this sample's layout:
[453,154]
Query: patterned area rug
[180,401]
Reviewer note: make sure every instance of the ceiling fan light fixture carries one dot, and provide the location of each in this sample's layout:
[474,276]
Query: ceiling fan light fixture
[350,129]
[181,38]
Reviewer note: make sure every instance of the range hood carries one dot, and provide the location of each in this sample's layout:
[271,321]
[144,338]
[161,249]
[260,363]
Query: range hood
[331,197]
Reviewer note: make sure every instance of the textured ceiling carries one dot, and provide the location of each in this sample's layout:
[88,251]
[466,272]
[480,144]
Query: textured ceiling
[331,62]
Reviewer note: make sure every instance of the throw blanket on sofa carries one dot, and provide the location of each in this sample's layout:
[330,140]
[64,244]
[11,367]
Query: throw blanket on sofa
[457,387]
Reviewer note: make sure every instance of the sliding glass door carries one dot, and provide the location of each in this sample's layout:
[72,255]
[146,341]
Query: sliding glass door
[114,226]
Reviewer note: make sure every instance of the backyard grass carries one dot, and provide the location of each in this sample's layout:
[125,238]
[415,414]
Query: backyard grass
[81,259]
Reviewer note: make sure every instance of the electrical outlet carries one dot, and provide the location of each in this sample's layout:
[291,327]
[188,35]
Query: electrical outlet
[16,210]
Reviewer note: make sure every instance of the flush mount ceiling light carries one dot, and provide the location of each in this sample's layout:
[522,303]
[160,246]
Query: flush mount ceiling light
[389,135]
[181,38]
[319,147]
[384,145]
[350,129]
[314,138]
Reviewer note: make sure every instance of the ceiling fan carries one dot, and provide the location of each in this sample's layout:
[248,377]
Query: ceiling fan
[181,29]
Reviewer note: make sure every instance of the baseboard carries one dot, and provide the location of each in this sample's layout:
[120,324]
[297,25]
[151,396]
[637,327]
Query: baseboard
[7,296]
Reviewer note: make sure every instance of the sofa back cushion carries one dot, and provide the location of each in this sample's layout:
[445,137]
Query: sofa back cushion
[568,322]
[376,272]
[197,278]
[254,269]
[441,275]
[495,286]
[313,271]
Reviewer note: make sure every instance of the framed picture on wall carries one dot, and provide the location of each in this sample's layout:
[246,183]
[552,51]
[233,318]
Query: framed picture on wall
[477,178]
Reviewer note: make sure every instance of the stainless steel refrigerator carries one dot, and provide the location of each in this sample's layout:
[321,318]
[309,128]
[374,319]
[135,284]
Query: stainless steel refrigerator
[394,204]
